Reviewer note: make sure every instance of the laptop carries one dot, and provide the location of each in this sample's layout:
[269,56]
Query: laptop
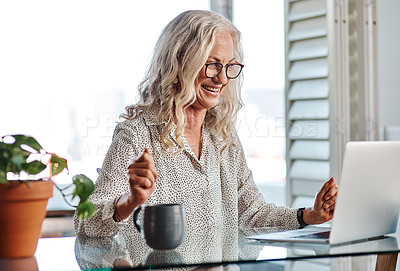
[368,201]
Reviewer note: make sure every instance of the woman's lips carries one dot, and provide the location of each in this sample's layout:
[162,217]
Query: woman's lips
[211,89]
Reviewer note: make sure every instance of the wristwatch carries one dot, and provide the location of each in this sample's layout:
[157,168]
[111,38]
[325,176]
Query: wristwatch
[300,212]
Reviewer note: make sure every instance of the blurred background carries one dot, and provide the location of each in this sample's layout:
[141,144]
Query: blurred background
[69,68]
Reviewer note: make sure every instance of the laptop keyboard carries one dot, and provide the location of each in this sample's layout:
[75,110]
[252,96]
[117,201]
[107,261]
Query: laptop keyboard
[318,235]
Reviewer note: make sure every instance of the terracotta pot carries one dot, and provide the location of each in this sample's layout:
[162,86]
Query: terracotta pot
[23,208]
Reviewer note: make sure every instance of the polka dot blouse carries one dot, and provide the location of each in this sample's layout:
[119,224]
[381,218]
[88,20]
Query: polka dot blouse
[217,190]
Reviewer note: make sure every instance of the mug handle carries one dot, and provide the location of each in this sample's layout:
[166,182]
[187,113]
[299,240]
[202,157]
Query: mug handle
[136,216]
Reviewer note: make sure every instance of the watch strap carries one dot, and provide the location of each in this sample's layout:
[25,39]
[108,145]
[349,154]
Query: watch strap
[300,213]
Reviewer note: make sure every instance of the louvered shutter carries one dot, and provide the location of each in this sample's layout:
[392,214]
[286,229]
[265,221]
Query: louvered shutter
[316,120]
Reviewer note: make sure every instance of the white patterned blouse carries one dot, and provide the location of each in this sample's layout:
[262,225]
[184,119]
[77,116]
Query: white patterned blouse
[217,190]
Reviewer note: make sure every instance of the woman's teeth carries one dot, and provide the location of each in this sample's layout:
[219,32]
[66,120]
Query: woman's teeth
[211,89]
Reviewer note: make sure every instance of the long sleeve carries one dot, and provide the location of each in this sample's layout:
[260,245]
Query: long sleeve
[253,210]
[112,182]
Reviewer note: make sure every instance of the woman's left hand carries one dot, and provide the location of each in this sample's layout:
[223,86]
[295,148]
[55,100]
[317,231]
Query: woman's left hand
[324,204]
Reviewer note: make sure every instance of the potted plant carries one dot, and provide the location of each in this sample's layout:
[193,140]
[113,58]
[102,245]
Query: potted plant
[24,196]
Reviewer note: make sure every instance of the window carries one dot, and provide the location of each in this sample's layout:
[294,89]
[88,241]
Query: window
[69,68]
[261,124]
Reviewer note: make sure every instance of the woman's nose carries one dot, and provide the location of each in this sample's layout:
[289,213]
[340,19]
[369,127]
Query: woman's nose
[221,78]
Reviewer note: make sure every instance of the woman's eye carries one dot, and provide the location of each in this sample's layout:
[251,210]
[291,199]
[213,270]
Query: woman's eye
[214,66]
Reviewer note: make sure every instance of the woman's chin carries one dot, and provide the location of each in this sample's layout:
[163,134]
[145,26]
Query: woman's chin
[204,105]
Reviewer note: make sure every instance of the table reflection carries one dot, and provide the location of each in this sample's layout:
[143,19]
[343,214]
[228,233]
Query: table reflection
[125,251]
[28,263]
[198,248]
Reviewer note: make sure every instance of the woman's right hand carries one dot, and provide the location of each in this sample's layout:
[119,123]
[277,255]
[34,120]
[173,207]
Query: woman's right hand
[142,177]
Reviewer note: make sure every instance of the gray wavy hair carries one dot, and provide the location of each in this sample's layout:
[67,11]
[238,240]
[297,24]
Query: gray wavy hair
[168,85]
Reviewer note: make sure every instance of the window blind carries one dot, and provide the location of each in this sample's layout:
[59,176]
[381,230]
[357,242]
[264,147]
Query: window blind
[308,98]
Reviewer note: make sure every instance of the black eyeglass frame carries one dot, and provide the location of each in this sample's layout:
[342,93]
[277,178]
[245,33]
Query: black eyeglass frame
[226,69]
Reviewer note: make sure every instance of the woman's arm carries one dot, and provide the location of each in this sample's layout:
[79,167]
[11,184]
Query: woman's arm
[113,181]
[142,177]
[254,211]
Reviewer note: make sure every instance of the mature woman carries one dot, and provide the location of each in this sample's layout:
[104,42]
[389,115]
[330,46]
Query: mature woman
[178,144]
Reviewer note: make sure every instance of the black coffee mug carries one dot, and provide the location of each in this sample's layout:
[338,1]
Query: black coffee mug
[163,226]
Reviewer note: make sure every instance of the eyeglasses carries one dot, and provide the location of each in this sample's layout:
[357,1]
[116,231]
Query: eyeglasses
[232,70]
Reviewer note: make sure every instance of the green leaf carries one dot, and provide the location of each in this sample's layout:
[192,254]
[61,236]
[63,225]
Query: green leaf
[4,155]
[17,158]
[85,209]
[17,161]
[83,187]
[17,150]
[27,140]
[58,164]
[3,176]
[4,146]
[34,167]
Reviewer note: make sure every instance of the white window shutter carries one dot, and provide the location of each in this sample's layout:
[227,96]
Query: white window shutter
[316,94]
[308,89]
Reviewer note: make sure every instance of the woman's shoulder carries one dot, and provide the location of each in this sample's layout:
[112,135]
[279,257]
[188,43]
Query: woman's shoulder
[143,118]
[129,125]
[139,123]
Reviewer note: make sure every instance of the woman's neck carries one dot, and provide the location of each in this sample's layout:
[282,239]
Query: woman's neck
[194,123]
[194,120]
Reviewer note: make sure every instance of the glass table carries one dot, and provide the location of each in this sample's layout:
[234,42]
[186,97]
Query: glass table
[119,252]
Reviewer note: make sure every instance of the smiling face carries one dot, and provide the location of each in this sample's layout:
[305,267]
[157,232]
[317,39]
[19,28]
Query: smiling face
[208,90]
